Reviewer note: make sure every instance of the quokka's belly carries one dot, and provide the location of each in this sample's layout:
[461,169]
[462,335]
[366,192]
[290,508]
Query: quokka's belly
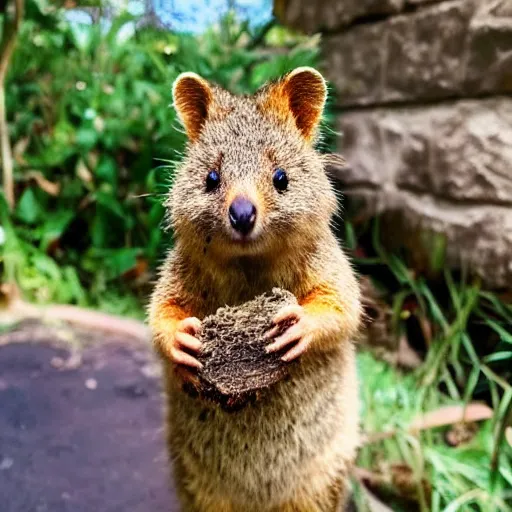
[301,435]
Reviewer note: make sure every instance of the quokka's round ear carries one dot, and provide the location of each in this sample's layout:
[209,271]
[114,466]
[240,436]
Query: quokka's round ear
[192,97]
[302,93]
[307,92]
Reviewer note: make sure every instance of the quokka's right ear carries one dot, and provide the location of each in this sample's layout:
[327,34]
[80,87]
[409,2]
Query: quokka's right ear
[300,95]
[192,97]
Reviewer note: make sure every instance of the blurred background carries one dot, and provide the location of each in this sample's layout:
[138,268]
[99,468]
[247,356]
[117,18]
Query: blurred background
[420,106]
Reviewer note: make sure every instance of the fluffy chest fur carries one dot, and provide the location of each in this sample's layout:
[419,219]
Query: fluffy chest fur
[299,435]
[210,282]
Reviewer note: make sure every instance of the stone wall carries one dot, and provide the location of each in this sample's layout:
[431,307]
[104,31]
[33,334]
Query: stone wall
[424,94]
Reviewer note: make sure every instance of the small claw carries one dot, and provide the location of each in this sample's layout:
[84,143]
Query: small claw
[288,312]
[297,350]
[190,325]
[272,333]
[186,375]
[294,333]
[180,357]
[188,341]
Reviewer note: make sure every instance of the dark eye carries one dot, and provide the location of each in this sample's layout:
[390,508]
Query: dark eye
[212,181]
[280,180]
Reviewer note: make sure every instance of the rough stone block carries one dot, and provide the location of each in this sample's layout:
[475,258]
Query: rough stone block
[419,3]
[477,239]
[355,69]
[425,51]
[415,56]
[329,15]
[489,61]
[445,169]
[461,151]
[360,143]
[471,151]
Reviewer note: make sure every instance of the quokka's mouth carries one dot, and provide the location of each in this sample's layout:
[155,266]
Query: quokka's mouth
[243,242]
[243,239]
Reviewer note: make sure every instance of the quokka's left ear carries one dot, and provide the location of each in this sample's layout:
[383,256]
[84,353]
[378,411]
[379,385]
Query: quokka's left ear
[300,94]
[193,98]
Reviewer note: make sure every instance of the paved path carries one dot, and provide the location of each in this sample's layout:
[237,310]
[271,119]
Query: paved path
[83,439]
[87,439]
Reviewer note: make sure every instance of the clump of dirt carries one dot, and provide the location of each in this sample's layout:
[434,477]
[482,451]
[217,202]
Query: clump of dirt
[236,367]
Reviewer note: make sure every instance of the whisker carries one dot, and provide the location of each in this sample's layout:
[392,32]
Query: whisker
[139,196]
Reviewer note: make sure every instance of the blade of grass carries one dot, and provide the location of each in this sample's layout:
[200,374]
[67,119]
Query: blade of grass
[493,376]
[398,302]
[471,384]
[505,335]
[434,307]
[498,356]
[465,499]
[502,414]
[454,295]
[502,309]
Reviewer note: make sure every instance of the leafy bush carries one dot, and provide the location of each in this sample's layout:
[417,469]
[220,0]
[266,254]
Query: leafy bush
[94,141]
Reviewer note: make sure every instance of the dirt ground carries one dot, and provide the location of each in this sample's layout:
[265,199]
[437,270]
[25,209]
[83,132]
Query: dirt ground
[80,429]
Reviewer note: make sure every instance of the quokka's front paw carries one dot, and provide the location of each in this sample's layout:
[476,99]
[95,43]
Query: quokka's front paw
[297,337]
[182,347]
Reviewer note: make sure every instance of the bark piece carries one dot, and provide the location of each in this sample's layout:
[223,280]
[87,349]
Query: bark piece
[236,365]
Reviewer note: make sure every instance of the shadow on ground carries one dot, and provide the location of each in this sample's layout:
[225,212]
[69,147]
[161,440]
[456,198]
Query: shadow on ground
[82,439]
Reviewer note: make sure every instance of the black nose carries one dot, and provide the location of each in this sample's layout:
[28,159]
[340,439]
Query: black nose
[242,215]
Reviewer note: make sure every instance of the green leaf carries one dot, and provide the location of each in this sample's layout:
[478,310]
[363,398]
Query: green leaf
[121,261]
[28,209]
[76,291]
[86,138]
[82,35]
[54,227]
[47,266]
[113,262]
[107,170]
[100,228]
[110,203]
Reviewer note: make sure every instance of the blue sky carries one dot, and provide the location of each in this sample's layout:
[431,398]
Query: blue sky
[196,15]
[192,15]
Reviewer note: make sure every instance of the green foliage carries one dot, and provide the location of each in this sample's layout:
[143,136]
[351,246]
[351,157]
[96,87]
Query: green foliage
[445,477]
[465,334]
[95,144]
[459,316]
[95,140]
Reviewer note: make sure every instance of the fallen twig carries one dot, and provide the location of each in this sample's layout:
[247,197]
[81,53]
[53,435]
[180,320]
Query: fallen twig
[441,417]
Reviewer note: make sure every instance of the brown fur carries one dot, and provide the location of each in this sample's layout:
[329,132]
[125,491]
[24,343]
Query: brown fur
[291,452]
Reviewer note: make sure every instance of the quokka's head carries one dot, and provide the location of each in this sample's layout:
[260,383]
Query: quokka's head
[251,178]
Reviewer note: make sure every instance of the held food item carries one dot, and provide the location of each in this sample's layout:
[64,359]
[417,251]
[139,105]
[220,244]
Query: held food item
[235,363]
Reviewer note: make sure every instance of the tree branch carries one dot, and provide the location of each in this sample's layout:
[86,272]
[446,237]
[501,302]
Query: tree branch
[9,33]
